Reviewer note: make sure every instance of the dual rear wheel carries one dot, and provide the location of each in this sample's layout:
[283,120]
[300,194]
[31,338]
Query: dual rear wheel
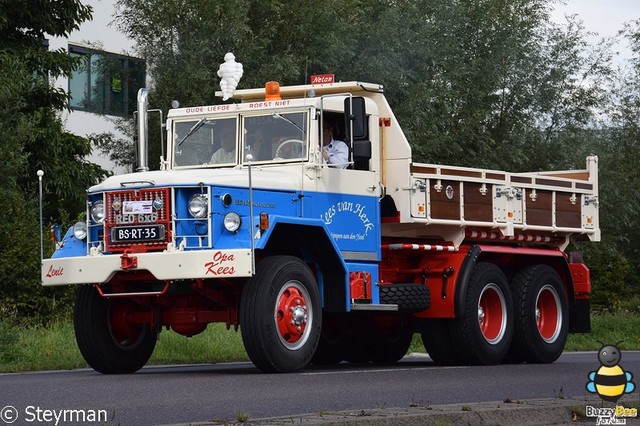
[524,321]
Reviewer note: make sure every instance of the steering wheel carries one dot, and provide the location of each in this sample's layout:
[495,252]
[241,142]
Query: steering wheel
[278,153]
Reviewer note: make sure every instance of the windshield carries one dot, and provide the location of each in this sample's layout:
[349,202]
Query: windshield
[275,137]
[270,137]
[206,141]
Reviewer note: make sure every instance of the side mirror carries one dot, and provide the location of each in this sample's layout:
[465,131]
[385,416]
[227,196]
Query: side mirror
[361,150]
[355,117]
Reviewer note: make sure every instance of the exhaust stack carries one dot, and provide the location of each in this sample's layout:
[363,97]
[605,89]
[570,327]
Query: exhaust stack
[143,138]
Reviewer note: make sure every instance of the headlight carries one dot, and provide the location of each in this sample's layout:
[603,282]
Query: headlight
[232,221]
[97,212]
[199,206]
[80,230]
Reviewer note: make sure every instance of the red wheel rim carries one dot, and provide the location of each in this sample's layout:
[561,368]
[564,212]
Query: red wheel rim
[123,331]
[293,315]
[492,316]
[548,313]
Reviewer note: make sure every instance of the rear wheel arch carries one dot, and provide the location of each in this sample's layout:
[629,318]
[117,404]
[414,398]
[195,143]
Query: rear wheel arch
[476,255]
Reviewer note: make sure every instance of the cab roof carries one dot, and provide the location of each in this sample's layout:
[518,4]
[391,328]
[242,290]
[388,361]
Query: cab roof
[302,91]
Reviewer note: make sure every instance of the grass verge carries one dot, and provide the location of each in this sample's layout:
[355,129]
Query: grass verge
[53,347]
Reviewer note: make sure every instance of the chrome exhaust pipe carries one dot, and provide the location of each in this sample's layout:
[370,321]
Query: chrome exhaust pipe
[143,131]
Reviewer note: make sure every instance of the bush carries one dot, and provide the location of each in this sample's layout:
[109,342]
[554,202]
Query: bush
[21,293]
[609,270]
[9,351]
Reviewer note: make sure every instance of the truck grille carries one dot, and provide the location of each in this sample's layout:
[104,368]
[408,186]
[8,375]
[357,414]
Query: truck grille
[137,218]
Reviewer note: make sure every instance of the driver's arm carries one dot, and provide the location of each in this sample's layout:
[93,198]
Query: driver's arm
[337,153]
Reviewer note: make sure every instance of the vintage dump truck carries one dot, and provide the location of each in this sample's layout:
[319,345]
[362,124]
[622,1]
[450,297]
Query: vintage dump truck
[246,224]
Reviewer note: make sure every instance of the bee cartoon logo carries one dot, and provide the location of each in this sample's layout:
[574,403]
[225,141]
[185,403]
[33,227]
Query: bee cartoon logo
[610,381]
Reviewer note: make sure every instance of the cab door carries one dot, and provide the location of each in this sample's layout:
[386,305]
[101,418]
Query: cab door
[348,198]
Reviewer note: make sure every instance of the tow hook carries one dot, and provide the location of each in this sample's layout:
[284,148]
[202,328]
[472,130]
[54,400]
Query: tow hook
[128,262]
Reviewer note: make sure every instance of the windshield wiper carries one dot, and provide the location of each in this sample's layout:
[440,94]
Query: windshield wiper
[193,129]
[282,117]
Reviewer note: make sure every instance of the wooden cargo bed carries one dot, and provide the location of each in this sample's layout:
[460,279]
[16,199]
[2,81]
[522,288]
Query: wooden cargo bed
[454,201]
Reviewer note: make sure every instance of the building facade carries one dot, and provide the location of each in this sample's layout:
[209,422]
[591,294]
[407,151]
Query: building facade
[103,89]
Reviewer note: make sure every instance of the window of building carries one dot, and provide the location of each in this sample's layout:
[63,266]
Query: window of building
[105,83]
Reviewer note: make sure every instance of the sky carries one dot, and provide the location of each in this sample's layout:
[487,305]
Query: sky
[606,17]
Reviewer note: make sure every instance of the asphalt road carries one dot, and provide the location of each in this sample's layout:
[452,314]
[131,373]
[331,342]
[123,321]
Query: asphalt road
[199,393]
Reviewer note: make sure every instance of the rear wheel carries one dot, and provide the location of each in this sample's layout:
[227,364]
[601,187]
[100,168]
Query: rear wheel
[381,339]
[541,323]
[108,340]
[390,347]
[483,334]
[437,339]
[389,339]
[280,315]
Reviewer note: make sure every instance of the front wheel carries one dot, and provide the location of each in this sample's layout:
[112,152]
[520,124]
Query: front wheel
[541,323]
[107,338]
[483,334]
[280,315]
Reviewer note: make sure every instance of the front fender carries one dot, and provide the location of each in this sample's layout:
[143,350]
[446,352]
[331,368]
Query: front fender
[311,240]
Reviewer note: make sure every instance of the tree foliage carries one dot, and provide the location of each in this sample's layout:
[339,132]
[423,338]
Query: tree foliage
[482,83]
[34,138]
[24,27]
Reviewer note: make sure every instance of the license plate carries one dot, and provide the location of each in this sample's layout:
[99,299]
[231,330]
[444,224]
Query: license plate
[125,234]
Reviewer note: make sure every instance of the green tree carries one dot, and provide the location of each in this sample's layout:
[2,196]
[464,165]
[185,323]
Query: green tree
[34,138]
[619,150]
[483,83]
[24,26]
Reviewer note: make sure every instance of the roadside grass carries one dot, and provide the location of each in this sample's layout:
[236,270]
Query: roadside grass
[53,347]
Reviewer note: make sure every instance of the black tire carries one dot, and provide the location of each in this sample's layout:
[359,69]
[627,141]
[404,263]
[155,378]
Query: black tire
[330,350]
[268,307]
[108,343]
[410,297]
[482,336]
[380,339]
[541,315]
[437,340]
[389,346]
[356,344]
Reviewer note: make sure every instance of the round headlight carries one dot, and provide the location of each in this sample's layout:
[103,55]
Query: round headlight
[80,230]
[199,206]
[226,199]
[232,221]
[97,211]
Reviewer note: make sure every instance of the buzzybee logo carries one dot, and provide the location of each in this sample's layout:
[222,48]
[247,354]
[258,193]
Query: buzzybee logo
[610,382]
